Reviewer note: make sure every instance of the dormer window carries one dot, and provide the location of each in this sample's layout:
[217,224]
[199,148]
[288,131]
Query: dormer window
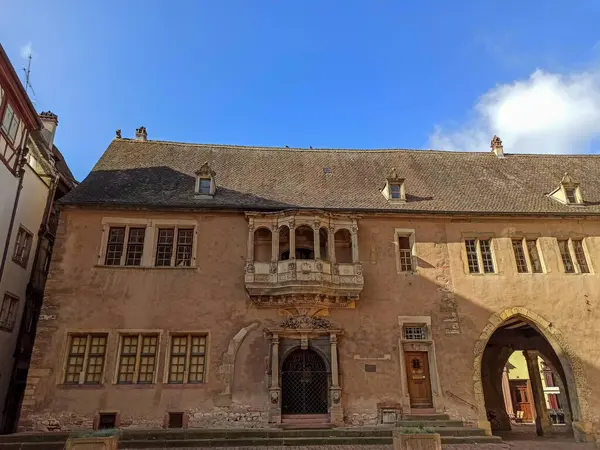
[205,181]
[568,192]
[394,189]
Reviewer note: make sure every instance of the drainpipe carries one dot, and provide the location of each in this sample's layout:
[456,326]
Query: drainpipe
[21,172]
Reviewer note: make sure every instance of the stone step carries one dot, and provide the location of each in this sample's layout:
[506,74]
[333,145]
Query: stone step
[426,417]
[430,423]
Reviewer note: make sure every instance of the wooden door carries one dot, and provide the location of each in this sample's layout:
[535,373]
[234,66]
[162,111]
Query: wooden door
[419,381]
[520,395]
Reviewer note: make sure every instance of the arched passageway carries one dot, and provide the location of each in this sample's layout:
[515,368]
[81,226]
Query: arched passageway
[505,405]
[304,383]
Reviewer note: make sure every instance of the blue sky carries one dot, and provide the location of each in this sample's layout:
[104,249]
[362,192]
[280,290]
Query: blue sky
[351,74]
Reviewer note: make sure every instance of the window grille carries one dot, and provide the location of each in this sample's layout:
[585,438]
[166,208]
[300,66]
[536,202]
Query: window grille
[415,332]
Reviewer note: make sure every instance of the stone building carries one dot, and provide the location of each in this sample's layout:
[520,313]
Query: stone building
[33,174]
[222,286]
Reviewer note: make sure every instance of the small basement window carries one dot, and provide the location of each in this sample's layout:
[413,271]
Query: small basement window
[175,420]
[107,421]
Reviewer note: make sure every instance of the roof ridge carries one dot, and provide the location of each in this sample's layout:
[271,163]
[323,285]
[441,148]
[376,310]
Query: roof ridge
[353,150]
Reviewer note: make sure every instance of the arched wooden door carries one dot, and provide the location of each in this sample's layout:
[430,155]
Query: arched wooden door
[304,383]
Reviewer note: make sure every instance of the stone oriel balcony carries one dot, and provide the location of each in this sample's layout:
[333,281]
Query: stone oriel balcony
[303,259]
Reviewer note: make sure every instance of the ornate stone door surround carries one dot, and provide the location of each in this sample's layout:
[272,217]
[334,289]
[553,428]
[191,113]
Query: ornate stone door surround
[407,343]
[303,328]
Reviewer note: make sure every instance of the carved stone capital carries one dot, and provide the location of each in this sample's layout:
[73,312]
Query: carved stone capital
[249,267]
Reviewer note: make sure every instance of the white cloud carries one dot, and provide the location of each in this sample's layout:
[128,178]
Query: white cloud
[26,50]
[547,113]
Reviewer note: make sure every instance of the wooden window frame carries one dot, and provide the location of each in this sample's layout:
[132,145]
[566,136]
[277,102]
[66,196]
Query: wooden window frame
[140,335]
[8,308]
[528,260]
[480,260]
[574,257]
[125,245]
[83,374]
[410,234]
[188,357]
[175,244]
[24,250]
[6,132]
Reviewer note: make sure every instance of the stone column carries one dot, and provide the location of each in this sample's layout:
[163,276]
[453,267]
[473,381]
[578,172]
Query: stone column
[292,240]
[250,250]
[354,234]
[317,240]
[543,424]
[331,243]
[336,412]
[275,390]
[506,393]
[274,243]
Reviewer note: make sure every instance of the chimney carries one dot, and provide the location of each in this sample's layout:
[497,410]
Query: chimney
[50,122]
[140,134]
[497,148]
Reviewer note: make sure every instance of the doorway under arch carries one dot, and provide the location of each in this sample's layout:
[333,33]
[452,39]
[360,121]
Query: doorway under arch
[520,329]
[304,383]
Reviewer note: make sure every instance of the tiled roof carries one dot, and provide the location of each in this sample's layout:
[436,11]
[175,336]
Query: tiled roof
[160,174]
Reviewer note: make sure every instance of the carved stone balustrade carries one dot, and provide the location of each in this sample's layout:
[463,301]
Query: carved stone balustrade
[308,258]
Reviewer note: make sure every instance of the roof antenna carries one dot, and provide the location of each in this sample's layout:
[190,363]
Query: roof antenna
[28,76]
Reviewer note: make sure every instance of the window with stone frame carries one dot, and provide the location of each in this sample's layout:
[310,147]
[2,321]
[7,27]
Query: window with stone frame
[534,256]
[23,246]
[8,312]
[415,332]
[135,246]
[85,358]
[479,255]
[137,358]
[187,359]
[114,247]
[565,254]
[573,255]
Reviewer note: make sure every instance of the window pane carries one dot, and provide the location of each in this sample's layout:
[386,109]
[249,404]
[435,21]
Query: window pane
[197,352]
[8,311]
[571,197]
[486,255]
[114,249]
[148,359]
[75,359]
[395,190]
[406,264]
[184,247]
[135,246]
[95,360]
[534,256]
[580,256]
[129,346]
[471,245]
[565,254]
[204,186]
[519,255]
[178,357]
[9,117]
[164,247]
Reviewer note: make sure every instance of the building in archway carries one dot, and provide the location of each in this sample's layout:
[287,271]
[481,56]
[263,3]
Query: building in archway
[241,286]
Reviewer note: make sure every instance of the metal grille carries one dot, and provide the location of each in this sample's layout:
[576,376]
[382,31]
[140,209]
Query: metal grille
[534,256]
[520,256]
[415,332]
[486,255]
[580,256]
[565,254]
[471,245]
[304,381]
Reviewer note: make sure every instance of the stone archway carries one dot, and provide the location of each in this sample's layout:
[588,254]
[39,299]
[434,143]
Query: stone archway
[576,383]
